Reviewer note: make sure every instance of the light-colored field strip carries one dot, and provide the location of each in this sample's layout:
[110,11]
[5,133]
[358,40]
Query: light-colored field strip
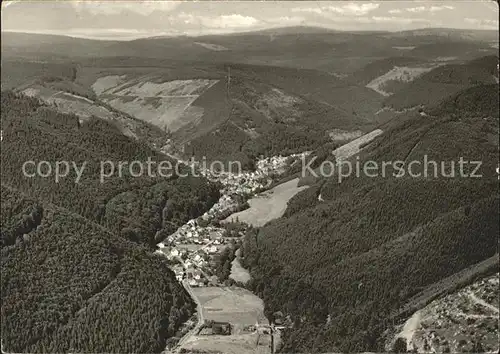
[269,205]
[353,147]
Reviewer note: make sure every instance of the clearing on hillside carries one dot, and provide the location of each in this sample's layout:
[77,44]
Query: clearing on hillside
[353,147]
[162,104]
[242,309]
[269,205]
[398,74]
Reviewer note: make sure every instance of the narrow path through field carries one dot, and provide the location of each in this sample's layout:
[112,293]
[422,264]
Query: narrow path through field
[199,313]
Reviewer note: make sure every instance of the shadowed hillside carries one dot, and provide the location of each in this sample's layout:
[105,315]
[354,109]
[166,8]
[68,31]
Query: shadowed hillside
[34,132]
[339,264]
[353,255]
[444,81]
[74,274]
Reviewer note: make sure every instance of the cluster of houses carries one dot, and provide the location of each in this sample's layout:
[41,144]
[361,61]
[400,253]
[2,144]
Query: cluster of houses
[227,204]
[464,321]
[251,182]
[274,164]
[192,247]
[236,186]
[193,233]
[211,327]
[244,183]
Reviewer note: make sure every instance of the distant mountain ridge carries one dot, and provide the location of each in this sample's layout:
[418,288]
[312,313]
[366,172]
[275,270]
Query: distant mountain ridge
[346,256]
[277,46]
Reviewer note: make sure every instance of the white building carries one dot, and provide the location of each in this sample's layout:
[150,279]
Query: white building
[174,252]
[211,249]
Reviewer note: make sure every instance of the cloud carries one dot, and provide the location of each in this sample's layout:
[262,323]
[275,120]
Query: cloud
[416,9]
[483,23]
[399,20]
[222,21]
[379,20]
[395,11]
[354,9]
[429,8]
[286,20]
[316,10]
[116,7]
[440,8]
[350,9]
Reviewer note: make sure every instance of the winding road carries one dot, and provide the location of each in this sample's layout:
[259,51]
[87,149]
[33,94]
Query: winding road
[199,312]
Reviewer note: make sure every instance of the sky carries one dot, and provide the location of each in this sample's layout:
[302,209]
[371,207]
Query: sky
[135,19]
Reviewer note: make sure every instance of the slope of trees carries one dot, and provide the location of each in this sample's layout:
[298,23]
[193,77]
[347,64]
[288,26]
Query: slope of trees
[36,133]
[339,267]
[443,81]
[328,260]
[78,274]
[70,285]
[266,121]
[20,72]
[479,101]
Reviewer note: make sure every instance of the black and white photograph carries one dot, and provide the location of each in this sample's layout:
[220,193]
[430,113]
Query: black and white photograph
[249,177]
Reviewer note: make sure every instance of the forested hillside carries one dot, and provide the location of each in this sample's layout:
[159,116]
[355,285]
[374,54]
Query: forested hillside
[34,132]
[69,285]
[432,87]
[340,266]
[270,112]
[79,249]
[382,66]
[16,73]
[348,258]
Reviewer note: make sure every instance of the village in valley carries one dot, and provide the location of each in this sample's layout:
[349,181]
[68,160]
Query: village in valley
[194,248]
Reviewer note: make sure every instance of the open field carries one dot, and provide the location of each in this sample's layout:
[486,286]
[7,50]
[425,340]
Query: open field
[238,273]
[251,343]
[401,74]
[80,106]
[235,305]
[105,83]
[239,307]
[163,104]
[84,108]
[269,205]
[69,103]
[353,147]
[214,47]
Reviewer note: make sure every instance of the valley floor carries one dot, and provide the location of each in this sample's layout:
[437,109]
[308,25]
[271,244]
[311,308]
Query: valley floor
[244,311]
